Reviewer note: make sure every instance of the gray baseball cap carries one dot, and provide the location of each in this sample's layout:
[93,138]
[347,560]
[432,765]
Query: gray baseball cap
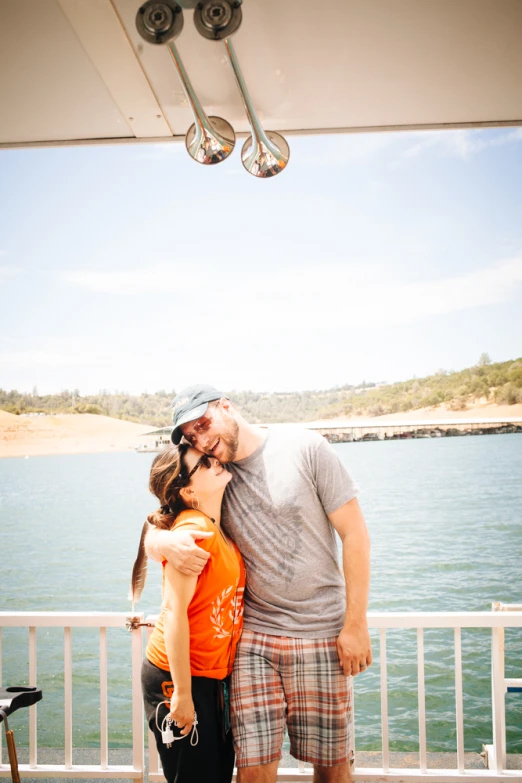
[189,405]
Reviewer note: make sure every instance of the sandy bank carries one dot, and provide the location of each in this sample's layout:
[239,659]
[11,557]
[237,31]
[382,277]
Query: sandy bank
[86,433]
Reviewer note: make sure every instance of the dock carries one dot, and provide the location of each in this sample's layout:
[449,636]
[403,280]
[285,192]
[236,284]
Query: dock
[364,430]
[368,429]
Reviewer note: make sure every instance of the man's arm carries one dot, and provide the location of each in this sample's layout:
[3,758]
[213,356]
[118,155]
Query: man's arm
[179,548]
[353,644]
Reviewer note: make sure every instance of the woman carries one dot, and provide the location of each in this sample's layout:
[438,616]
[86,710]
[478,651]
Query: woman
[190,653]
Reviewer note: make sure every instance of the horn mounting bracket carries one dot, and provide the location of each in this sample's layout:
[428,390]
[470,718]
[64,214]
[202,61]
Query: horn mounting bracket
[159,21]
[217,19]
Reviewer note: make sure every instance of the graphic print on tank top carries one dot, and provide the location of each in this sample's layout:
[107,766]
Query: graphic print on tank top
[226,609]
[257,520]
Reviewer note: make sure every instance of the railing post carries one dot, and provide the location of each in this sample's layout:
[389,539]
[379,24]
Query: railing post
[459,710]
[33,742]
[384,702]
[104,729]
[498,698]
[67,686]
[352,722]
[138,750]
[422,701]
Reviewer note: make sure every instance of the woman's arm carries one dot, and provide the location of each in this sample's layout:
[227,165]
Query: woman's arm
[177,595]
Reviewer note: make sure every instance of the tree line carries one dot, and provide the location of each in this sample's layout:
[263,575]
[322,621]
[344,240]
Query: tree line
[499,382]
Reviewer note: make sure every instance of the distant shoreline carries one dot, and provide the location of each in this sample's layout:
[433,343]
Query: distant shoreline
[87,433]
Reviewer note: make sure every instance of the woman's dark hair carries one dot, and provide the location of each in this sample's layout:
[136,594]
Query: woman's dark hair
[168,475]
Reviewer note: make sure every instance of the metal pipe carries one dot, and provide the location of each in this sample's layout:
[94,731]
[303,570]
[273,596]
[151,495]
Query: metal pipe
[263,154]
[210,139]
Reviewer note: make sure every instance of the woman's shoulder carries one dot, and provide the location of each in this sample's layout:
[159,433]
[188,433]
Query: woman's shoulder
[193,520]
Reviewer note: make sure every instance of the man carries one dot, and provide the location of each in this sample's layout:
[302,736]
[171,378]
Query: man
[305,631]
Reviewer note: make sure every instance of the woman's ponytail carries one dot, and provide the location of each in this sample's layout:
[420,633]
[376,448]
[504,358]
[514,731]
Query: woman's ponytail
[162,518]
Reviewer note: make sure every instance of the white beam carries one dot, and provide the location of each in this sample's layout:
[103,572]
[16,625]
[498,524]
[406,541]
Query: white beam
[101,34]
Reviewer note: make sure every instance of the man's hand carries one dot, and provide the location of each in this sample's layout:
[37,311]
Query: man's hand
[354,648]
[179,548]
[184,554]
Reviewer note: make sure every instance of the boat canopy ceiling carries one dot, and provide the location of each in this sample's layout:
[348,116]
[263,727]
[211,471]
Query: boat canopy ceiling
[74,71]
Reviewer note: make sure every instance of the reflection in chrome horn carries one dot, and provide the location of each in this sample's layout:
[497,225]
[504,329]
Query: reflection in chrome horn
[263,154]
[210,139]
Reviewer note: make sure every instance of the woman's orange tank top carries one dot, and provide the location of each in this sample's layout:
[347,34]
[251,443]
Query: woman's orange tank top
[215,612]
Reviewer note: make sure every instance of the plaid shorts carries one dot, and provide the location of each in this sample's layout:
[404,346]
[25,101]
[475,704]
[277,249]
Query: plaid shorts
[280,680]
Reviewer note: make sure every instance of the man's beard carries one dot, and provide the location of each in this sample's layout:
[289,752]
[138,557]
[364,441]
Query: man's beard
[230,440]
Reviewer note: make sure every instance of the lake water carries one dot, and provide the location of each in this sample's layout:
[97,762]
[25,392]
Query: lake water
[445,517]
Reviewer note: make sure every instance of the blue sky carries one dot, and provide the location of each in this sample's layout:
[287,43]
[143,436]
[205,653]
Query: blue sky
[372,257]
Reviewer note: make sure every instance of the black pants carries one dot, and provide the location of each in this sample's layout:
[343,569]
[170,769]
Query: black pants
[212,759]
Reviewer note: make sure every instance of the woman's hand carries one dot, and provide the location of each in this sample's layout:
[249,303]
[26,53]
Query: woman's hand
[182,712]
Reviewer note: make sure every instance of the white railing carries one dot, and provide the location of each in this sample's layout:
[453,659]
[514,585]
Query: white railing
[496,621]
[100,621]
[500,685]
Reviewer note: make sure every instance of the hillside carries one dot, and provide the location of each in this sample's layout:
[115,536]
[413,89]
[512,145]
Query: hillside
[483,384]
[7,418]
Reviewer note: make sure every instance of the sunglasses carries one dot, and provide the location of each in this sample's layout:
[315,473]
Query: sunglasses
[201,425]
[183,478]
[204,461]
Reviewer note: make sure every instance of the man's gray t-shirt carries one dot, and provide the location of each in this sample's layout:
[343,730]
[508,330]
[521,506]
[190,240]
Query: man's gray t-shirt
[275,509]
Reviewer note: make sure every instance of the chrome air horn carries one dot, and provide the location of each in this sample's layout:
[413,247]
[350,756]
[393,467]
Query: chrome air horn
[209,139]
[263,154]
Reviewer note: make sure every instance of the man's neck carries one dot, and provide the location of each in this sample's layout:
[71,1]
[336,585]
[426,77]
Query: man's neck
[250,439]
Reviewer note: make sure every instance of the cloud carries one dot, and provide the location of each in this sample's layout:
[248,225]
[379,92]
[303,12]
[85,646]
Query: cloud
[338,149]
[162,150]
[53,359]
[7,272]
[460,143]
[338,295]
[353,148]
[285,331]
[345,298]
[158,278]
